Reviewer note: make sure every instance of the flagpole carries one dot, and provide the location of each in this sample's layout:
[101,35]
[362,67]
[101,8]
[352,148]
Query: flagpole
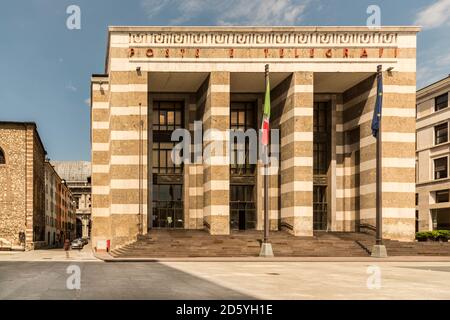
[266,189]
[379,222]
[379,250]
[266,246]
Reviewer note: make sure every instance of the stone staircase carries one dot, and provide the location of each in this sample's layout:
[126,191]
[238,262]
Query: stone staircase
[398,248]
[198,243]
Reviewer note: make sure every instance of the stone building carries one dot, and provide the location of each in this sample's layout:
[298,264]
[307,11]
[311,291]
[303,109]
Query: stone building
[22,203]
[51,183]
[432,157]
[65,213]
[77,175]
[158,79]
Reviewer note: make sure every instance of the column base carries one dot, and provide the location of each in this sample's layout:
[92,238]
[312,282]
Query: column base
[379,251]
[266,250]
[217,225]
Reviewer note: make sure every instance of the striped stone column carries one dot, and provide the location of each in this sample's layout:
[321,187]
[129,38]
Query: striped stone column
[347,169]
[128,150]
[216,170]
[338,224]
[295,98]
[193,174]
[398,148]
[100,159]
[399,134]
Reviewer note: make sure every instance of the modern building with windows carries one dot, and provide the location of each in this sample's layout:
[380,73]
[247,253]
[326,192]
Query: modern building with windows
[323,90]
[432,157]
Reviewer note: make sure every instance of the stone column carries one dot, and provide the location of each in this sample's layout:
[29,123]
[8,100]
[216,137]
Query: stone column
[331,176]
[398,148]
[216,169]
[399,154]
[193,173]
[85,227]
[128,152]
[100,137]
[295,97]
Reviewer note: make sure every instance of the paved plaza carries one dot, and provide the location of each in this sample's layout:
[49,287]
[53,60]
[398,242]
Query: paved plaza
[42,278]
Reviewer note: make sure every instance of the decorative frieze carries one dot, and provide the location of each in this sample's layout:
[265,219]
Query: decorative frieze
[251,39]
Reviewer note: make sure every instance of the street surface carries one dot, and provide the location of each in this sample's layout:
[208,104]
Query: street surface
[44,275]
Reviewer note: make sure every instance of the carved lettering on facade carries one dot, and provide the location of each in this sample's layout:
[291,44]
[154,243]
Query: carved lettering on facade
[345,54]
[139,52]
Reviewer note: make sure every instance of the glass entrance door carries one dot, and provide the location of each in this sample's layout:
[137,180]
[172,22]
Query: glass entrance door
[242,207]
[167,206]
[320,215]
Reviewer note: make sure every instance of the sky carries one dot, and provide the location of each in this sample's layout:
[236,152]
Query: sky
[45,68]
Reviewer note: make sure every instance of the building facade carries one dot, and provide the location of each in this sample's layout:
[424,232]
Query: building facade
[432,157]
[77,175]
[65,213]
[51,181]
[22,195]
[323,90]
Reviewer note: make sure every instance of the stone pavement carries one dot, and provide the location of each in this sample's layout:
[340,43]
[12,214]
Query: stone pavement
[227,280]
[85,254]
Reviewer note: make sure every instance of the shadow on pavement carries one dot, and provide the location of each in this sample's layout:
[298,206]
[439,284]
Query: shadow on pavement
[47,280]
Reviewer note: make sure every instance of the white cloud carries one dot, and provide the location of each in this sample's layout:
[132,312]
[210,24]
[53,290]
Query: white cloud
[87,101]
[238,12]
[71,88]
[432,69]
[434,15]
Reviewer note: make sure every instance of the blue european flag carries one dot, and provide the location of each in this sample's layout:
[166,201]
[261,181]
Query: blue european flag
[378,104]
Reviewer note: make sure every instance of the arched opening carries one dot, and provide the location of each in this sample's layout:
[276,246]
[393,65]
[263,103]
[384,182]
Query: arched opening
[2,157]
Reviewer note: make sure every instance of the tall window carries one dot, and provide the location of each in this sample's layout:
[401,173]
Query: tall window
[167,202]
[441,133]
[441,102]
[167,116]
[242,174]
[242,118]
[2,157]
[440,168]
[322,136]
[321,162]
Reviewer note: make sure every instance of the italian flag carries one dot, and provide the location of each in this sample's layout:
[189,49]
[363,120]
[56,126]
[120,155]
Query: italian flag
[266,116]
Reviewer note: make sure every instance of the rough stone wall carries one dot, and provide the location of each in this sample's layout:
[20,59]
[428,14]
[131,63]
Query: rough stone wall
[38,189]
[12,186]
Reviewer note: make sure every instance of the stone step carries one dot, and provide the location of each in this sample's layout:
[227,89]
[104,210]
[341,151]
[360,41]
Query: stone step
[198,243]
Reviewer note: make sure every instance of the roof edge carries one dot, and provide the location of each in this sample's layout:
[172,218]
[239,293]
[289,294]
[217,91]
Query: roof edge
[265,28]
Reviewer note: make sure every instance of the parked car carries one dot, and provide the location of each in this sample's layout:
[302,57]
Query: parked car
[84,240]
[77,244]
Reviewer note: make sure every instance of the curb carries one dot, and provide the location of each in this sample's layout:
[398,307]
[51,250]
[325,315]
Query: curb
[109,258]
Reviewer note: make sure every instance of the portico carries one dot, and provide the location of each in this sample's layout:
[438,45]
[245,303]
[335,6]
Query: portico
[159,79]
